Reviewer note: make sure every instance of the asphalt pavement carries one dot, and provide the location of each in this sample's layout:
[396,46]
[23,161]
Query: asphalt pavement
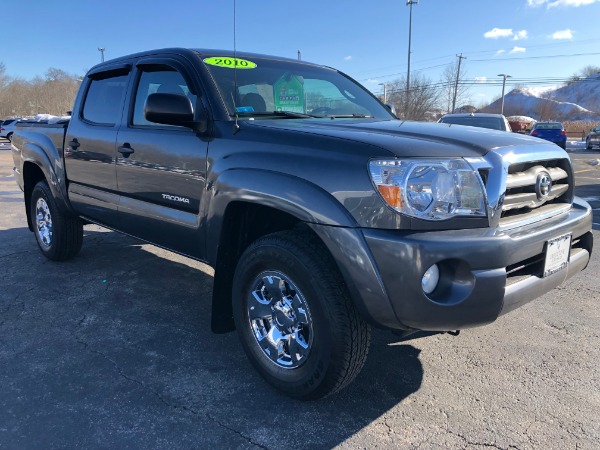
[113,349]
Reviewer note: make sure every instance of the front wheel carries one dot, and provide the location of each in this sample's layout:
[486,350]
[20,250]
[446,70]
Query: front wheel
[59,236]
[294,317]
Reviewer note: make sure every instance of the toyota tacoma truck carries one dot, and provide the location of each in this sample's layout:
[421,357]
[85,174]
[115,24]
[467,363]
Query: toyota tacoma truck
[322,213]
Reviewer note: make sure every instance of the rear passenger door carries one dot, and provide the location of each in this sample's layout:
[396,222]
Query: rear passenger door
[90,144]
[161,169]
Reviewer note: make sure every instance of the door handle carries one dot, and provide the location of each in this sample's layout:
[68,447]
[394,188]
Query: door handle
[125,150]
[74,144]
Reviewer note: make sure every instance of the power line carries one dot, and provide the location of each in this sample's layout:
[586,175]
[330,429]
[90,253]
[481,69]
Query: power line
[570,55]
[520,58]
[470,53]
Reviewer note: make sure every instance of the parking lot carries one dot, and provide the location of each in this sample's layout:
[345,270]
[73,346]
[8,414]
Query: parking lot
[113,350]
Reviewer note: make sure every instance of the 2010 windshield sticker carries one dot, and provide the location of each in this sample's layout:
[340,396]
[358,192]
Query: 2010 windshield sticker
[230,63]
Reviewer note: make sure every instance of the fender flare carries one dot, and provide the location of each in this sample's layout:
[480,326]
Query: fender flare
[51,165]
[295,196]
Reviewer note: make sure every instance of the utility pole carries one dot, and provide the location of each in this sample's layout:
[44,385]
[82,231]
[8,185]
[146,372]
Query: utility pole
[409,3]
[384,91]
[299,55]
[101,50]
[504,77]
[460,58]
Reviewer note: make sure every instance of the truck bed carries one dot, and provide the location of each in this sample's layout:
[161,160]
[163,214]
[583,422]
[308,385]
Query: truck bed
[54,131]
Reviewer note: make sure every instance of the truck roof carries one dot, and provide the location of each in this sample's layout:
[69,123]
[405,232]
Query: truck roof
[194,52]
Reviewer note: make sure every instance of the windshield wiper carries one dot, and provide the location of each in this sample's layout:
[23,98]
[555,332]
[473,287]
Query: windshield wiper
[350,116]
[291,114]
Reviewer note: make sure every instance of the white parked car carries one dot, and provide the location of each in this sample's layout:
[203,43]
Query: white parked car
[8,127]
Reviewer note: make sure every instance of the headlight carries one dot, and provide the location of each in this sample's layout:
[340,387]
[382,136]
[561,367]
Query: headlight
[430,189]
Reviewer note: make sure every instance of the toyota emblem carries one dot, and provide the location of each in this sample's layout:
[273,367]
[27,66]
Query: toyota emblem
[543,185]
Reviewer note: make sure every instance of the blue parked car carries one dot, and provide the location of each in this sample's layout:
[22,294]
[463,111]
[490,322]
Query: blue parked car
[551,131]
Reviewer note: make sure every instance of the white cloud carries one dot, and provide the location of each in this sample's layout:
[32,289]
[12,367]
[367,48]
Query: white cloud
[499,52]
[347,58]
[372,81]
[520,35]
[518,50]
[562,34]
[480,79]
[556,3]
[575,3]
[496,33]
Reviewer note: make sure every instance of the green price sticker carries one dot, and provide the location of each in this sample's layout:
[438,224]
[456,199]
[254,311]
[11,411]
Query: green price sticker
[230,63]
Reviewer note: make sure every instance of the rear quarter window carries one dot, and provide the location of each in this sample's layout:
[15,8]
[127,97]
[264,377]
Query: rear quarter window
[104,100]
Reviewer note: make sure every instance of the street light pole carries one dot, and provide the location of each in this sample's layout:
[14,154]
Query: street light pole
[409,3]
[504,77]
[101,50]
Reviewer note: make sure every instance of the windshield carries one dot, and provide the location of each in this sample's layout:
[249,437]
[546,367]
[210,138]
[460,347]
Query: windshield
[268,87]
[492,123]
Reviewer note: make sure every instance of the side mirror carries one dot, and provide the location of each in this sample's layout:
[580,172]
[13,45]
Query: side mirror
[169,109]
[391,108]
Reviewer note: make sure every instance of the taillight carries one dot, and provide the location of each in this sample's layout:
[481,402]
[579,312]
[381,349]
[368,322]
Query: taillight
[534,132]
[564,132]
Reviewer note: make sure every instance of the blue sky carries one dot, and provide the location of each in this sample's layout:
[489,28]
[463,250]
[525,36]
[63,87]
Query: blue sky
[366,39]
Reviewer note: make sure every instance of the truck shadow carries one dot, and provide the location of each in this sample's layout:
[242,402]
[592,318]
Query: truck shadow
[126,326]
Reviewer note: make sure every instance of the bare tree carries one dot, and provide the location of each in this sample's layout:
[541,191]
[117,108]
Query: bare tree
[448,82]
[3,77]
[546,110]
[52,94]
[423,97]
[590,71]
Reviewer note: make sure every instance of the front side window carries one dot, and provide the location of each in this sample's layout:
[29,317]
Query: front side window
[259,86]
[162,81]
[104,100]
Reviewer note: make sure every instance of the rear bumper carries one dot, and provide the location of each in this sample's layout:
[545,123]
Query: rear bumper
[559,140]
[474,287]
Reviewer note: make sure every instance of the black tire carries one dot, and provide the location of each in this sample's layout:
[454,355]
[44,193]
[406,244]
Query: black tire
[59,236]
[336,335]
[9,137]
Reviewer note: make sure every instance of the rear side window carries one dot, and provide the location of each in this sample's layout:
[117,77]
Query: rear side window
[104,100]
[8,122]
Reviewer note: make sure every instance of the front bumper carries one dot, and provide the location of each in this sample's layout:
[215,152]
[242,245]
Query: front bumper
[474,287]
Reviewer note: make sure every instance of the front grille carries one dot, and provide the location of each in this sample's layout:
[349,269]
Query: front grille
[534,185]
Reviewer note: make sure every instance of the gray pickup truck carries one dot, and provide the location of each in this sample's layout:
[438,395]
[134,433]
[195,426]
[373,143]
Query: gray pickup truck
[321,213]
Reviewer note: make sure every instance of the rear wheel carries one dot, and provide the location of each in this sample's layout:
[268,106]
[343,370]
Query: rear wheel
[296,322]
[9,136]
[58,235]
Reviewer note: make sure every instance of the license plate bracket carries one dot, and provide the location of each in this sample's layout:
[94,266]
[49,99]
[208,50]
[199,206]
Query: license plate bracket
[557,254]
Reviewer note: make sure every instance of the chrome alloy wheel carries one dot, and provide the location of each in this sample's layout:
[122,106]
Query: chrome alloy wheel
[43,222]
[280,320]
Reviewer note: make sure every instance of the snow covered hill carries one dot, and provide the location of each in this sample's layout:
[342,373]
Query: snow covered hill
[579,100]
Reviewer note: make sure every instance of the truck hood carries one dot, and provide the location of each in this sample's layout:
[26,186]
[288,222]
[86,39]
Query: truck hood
[406,139]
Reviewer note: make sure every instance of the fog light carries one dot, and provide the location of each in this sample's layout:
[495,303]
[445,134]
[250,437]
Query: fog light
[430,279]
